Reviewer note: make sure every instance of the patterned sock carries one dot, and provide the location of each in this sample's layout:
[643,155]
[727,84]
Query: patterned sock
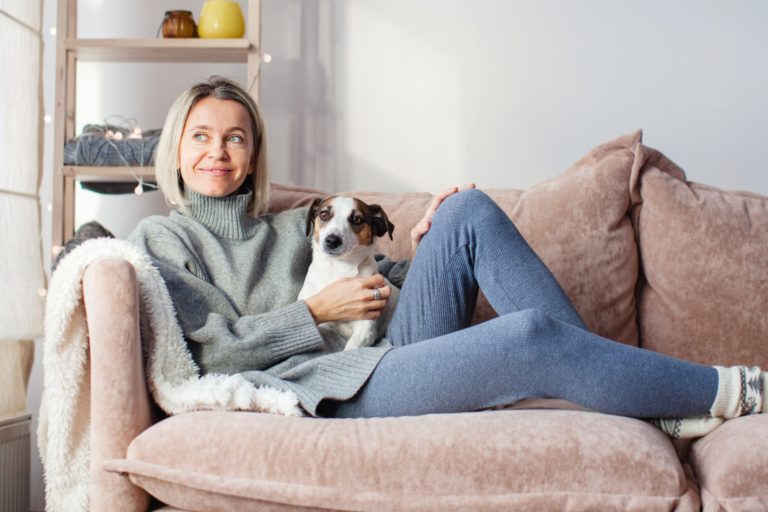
[739,392]
[686,428]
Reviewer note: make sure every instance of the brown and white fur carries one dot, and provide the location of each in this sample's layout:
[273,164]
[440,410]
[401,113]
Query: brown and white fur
[343,230]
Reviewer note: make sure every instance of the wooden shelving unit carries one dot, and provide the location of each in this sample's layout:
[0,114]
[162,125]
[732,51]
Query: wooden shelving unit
[71,49]
[90,173]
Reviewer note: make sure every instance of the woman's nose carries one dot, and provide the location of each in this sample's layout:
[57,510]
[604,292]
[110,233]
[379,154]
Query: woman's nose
[218,150]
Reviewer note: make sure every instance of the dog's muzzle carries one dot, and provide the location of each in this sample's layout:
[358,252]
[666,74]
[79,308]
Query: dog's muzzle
[331,243]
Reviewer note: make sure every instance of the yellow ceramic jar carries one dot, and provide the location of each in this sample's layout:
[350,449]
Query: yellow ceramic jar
[221,19]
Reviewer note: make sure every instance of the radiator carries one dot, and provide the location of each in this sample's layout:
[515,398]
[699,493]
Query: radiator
[14,464]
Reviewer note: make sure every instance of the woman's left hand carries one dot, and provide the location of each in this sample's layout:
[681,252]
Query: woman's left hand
[421,228]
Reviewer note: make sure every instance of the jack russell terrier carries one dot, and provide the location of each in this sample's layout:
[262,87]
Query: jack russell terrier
[343,231]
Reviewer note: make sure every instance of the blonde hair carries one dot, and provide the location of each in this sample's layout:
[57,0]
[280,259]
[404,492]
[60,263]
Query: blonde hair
[167,154]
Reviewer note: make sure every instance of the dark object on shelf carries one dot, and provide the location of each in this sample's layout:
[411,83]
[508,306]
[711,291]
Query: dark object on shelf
[178,24]
[109,145]
[85,232]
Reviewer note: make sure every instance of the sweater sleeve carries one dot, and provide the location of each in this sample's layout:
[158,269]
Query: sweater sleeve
[394,271]
[220,339]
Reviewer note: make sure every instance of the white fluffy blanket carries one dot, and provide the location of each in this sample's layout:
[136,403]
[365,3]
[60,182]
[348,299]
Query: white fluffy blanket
[173,377]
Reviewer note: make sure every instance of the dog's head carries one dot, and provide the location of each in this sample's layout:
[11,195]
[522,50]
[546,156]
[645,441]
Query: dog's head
[339,225]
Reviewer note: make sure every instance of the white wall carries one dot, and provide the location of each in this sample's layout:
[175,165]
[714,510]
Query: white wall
[417,95]
[402,95]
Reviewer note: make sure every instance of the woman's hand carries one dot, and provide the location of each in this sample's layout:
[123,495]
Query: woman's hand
[421,227]
[350,298]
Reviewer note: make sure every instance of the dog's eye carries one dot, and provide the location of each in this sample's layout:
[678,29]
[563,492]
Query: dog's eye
[324,215]
[357,220]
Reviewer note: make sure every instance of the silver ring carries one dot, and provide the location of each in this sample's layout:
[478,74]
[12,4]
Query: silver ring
[376,294]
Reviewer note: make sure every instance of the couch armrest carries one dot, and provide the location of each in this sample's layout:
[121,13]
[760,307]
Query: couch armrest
[120,406]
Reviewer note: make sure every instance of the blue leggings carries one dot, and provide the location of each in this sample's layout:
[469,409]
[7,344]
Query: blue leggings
[538,346]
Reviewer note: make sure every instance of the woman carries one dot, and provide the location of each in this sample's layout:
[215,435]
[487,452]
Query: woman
[234,273]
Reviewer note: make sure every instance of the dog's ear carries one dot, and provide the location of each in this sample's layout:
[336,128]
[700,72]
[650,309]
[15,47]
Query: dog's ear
[380,222]
[312,214]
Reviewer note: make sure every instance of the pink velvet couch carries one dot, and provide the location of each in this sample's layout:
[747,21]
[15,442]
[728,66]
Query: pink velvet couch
[647,258]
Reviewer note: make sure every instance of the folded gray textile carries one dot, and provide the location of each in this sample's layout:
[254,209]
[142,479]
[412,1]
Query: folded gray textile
[92,147]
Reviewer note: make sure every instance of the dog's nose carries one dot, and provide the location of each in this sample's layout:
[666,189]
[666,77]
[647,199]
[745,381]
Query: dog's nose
[332,242]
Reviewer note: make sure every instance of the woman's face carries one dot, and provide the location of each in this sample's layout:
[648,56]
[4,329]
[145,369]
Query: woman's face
[216,147]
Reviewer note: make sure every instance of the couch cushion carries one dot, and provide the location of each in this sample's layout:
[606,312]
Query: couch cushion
[704,254]
[530,459]
[732,472]
[577,222]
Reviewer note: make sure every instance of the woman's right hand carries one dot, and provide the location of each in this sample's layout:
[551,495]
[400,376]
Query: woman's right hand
[349,298]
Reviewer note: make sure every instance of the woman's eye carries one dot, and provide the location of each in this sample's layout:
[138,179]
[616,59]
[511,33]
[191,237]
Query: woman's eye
[200,137]
[237,139]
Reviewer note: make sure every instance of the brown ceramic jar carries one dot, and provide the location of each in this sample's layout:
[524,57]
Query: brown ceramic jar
[179,24]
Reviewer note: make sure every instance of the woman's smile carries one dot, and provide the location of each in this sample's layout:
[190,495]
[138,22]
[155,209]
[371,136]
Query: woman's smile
[216,171]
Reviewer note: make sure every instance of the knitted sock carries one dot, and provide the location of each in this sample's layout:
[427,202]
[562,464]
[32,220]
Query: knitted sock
[685,428]
[740,391]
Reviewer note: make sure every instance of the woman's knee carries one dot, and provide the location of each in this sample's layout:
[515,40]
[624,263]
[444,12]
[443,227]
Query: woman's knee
[468,199]
[531,325]
[465,205]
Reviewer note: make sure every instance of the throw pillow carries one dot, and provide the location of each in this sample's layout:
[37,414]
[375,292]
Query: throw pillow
[704,296]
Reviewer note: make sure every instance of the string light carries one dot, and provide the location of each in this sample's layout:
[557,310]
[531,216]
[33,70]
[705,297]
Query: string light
[140,187]
[47,118]
[52,31]
[263,57]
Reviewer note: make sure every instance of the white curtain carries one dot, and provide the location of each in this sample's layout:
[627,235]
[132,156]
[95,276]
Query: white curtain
[21,270]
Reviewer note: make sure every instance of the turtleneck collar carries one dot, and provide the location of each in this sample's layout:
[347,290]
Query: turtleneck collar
[225,216]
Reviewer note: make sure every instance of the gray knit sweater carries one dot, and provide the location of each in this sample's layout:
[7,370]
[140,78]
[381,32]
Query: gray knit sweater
[234,280]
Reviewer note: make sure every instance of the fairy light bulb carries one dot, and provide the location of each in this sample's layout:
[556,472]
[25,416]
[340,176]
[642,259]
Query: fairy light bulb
[139,188]
[267,58]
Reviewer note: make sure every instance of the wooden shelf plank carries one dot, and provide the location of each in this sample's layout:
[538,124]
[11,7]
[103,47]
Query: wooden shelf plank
[89,173]
[159,50]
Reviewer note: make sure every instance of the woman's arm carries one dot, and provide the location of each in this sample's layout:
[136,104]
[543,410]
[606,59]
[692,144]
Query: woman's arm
[222,340]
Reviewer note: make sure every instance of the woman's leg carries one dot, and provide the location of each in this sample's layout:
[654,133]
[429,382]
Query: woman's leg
[527,354]
[472,243]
